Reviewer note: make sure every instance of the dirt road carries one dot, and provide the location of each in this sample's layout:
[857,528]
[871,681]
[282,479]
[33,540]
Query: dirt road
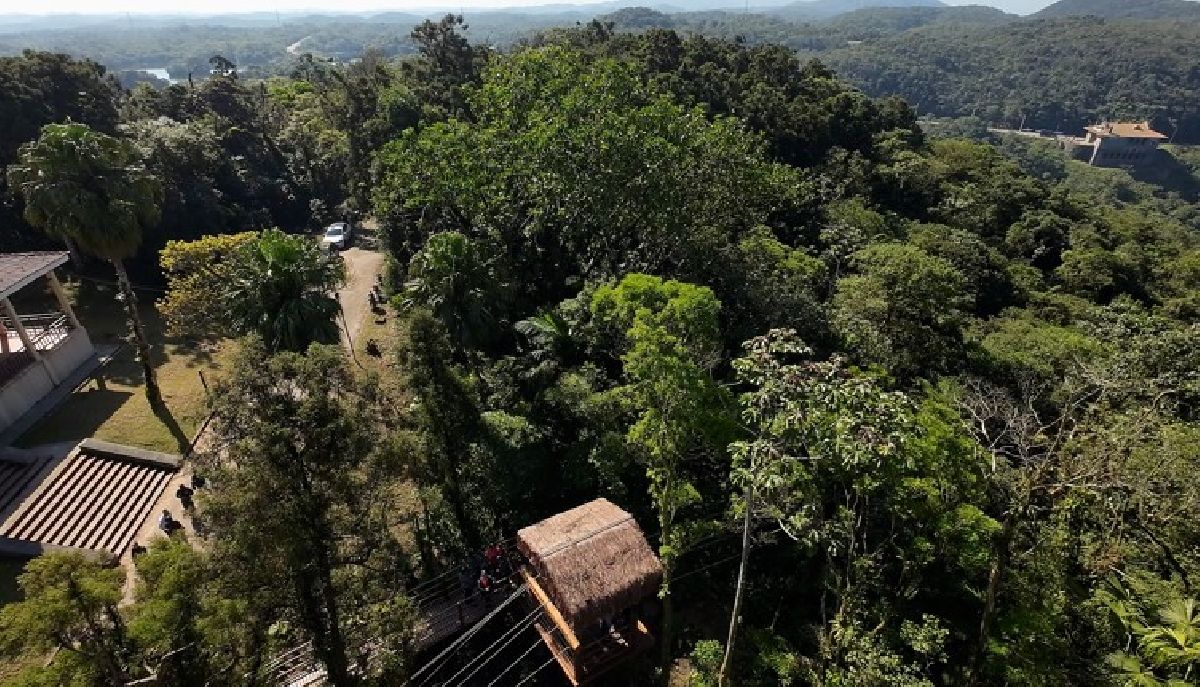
[362,266]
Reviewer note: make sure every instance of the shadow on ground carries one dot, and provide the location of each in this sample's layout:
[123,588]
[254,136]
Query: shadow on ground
[77,421]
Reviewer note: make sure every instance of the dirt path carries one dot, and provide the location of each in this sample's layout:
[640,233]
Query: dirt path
[362,267]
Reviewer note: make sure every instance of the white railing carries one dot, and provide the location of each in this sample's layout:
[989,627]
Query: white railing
[45,331]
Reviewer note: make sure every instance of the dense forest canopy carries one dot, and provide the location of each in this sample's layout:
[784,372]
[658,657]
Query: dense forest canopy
[893,406]
[1056,69]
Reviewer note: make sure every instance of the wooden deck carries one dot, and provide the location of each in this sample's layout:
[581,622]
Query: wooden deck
[584,664]
[447,615]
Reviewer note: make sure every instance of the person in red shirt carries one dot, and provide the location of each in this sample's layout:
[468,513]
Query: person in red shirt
[485,587]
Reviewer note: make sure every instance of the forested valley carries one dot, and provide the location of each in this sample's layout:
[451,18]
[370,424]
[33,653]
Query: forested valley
[1070,64]
[893,406]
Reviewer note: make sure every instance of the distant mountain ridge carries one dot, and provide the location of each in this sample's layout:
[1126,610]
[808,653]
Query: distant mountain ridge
[1122,9]
[888,20]
[824,9]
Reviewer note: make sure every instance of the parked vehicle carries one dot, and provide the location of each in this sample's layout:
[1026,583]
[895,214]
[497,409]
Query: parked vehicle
[337,236]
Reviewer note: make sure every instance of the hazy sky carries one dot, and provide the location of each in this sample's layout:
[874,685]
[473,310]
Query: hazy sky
[223,6]
[231,6]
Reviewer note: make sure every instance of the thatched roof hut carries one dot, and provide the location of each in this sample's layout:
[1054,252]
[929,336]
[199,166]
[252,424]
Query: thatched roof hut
[593,561]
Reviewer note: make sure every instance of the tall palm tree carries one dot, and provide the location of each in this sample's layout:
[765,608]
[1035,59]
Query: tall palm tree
[89,189]
[287,294]
[453,278]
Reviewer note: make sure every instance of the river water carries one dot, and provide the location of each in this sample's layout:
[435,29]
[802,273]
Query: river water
[159,72]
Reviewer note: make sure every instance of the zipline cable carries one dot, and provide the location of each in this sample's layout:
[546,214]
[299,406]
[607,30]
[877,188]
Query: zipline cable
[471,632]
[518,628]
[677,578]
[515,663]
[588,535]
[482,653]
[536,671]
[458,643]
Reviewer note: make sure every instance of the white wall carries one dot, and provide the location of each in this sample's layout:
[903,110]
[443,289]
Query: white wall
[23,391]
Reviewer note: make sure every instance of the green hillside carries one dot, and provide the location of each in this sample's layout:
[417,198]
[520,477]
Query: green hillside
[1120,9]
[1056,74]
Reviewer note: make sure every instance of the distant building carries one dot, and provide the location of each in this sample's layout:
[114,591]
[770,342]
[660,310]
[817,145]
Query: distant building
[1114,144]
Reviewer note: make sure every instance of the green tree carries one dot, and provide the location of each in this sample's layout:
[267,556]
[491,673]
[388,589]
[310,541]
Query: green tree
[780,286]
[576,169]
[987,281]
[682,418]
[39,88]
[448,65]
[70,605]
[453,278]
[1092,273]
[815,427]
[1165,641]
[299,510]
[170,594]
[903,309]
[90,188]
[290,296]
[269,283]
[448,411]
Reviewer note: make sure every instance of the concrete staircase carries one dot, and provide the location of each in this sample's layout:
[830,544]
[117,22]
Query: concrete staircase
[95,499]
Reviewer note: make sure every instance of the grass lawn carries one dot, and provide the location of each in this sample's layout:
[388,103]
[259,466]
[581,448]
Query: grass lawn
[120,412]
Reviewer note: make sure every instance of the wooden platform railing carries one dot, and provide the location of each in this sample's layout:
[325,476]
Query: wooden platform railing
[592,659]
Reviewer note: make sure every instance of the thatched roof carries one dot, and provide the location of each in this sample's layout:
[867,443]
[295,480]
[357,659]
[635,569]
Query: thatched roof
[593,561]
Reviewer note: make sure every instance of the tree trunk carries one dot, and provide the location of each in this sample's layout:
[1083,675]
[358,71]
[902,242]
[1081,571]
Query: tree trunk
[466,526]
[73,252]
[335,645]
[319,619]
[665,630]
[995,576]
[735,617]
[139,333]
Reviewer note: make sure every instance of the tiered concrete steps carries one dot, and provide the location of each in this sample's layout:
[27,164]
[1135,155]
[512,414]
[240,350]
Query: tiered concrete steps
[16,476]
[95,500]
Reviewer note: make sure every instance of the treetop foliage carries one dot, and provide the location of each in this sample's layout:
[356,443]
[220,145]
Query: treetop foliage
[936,397]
